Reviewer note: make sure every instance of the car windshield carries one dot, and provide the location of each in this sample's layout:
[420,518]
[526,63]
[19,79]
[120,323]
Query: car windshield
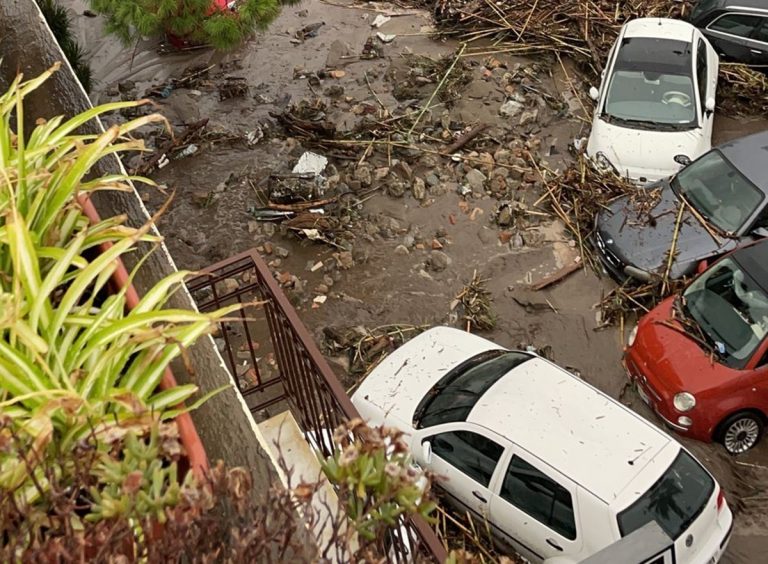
[674,501]
[454,396]
[718,191]
[651,85]
[731,309]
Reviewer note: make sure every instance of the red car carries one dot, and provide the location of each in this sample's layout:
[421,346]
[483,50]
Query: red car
[700,359]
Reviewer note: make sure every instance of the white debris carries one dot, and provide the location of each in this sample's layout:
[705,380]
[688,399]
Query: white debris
[320,299]
[510,108]
[385,37]
[380,20]
[310,163]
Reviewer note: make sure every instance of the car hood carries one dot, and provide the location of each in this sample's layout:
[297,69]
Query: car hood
[678,362]
[393,390]
[644,239]
[639,153]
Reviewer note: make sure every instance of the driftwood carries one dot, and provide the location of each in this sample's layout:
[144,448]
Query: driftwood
[466,138]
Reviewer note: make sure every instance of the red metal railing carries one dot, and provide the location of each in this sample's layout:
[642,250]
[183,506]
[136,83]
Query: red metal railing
[275,361]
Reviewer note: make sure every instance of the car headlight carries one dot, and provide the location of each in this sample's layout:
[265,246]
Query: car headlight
[603,163]
[684,401]
[632,336]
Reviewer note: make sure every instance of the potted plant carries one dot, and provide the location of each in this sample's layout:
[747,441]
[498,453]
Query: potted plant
[83,358]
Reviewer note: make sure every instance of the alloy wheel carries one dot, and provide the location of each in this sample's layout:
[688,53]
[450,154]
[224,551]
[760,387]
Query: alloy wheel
[741,435]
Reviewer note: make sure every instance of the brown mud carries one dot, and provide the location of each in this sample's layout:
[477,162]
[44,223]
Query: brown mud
[408,257]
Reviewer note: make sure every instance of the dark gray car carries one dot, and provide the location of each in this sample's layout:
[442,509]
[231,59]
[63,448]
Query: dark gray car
[725,204]
[737,29]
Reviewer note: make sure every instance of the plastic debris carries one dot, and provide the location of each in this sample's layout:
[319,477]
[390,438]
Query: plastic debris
[189,150]
[380,20]
[385,37]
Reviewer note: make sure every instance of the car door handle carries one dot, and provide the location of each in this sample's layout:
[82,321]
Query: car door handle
[479,496]
[553,544]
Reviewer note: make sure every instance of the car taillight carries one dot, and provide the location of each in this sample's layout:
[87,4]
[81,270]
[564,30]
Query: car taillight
[720,500]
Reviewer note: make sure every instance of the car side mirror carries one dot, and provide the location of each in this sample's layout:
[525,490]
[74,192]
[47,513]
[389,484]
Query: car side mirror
[594,93]
[760,232]
[709,105]
[426,452]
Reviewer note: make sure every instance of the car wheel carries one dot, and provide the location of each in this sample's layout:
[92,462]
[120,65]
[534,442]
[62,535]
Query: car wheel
[741,432]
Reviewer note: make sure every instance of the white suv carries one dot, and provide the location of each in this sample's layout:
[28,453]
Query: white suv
[557,468]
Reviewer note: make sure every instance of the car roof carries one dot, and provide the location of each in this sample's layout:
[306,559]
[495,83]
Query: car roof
[571,426]
[735,4]
[662,28]
[754,260]
[749,154]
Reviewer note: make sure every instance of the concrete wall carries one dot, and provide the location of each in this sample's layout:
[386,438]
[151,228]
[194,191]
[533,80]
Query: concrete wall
[224,423]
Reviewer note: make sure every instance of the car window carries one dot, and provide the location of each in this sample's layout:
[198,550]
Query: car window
[740,25]
[701,72]
[470,453]
[731,309]
[538,495]
[453,397]
[718,191]
[762,32]
[674,501]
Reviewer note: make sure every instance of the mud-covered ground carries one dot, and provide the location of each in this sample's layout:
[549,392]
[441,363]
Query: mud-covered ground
[405,239]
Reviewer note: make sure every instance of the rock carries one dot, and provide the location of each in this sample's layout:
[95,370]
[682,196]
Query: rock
[403,170]
[401,250]
[344,260]
[253,227]
[322,289]
[505,217]
[510,108]
[486,235]
[334,91]
[528,117]
[476,179]
[230,285]
[202,198]
[126,86]
[502,156]
[409,241]
[396,188]
[486,163]
[419,189]
[498,184]
[328,280]
[381,173]
[432,179]
[268,229]
[438,261]
[282,252]
[268,248]
[363,174]
[436,245]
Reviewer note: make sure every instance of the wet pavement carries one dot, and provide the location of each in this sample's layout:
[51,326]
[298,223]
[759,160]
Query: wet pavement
[395,275]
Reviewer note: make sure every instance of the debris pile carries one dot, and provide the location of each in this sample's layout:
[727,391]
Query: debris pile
[474,303]
[583,30]
[742,90]
[364,347]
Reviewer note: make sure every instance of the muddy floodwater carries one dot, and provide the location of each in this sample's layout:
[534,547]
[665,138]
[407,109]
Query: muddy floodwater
[412,245]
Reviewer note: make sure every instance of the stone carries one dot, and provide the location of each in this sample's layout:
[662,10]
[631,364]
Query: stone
[510,108]
[282,252]
[344,260]
[126,86]
[230,285]
[322,289]
[438,261]
[403,170]
[419,189]
[432,179]
[502,156]
[409,241]
[475,179]
[268,229]
[268,248]
[396,189]
[328,280]
[402,250]
[334,91]
[505,217]
[381,173]
[528,117]
[363,174]
[498,184]
[202,198]
[253,227]
[486,163]
[436,245]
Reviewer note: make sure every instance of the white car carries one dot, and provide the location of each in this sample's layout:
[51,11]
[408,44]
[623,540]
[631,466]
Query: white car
[557,468]
[656,101]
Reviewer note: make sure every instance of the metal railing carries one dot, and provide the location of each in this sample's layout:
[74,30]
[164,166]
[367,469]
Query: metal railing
[276,362]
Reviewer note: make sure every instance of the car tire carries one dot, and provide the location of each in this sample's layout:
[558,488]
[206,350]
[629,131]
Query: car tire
[741,431]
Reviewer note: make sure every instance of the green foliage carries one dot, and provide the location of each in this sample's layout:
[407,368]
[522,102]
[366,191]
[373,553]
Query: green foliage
[58,21]
[197,21]
[375,479]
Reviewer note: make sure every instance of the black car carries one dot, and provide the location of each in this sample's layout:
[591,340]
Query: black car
[724,199]
[737,29]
